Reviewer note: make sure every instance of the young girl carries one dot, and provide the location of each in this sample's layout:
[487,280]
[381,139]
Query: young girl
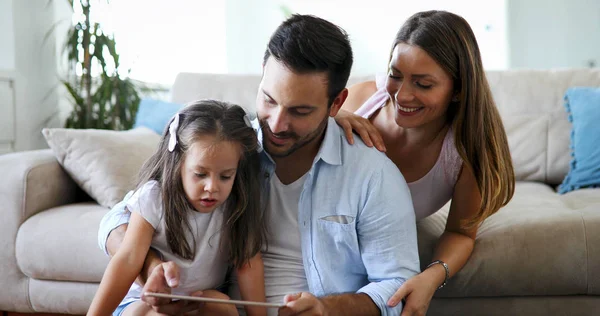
[197,204]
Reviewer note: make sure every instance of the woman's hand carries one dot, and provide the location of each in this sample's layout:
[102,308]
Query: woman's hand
[417,293]
[368,133]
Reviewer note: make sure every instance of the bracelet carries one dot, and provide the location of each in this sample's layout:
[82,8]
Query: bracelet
[445,268]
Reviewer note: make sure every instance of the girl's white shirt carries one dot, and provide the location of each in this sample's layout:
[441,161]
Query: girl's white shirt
[208,268]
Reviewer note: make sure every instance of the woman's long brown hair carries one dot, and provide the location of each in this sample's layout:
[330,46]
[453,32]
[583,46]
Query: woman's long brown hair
[243,228]
[478,130]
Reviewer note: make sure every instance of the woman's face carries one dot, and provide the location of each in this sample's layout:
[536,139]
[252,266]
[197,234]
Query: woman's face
[418,87]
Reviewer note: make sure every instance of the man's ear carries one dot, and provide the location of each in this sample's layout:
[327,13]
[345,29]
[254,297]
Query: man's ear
[338,102]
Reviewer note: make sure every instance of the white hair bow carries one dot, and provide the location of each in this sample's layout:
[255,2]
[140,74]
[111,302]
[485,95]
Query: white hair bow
[247,120]
[173,133]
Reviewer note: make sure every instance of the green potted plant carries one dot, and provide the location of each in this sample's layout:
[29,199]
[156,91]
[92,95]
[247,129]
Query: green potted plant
[102,94]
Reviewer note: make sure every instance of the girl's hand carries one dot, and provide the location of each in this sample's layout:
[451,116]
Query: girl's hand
[362,126]
[417,292]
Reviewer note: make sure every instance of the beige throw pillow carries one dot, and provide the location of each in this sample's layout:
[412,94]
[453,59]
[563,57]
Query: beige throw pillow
[104,163]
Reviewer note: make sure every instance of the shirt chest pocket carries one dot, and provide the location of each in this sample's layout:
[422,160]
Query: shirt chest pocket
[341,219]
[338,233]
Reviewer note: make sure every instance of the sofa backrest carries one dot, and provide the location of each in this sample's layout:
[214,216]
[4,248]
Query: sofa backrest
[530,103]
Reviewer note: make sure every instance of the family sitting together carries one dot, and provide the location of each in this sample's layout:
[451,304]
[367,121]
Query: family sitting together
[292,208]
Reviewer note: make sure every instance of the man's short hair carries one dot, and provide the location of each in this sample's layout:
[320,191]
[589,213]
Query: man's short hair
[309,44]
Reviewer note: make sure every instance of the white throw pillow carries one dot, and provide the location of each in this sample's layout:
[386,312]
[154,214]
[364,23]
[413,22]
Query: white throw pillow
[104,163]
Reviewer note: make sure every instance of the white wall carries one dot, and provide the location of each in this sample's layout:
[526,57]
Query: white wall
[371,25]
[35,70]
[158,39]
[249,25]
[7,54]
[554,34]
[63,14]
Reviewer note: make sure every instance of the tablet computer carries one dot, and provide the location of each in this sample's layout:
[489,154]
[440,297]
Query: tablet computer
[213,300]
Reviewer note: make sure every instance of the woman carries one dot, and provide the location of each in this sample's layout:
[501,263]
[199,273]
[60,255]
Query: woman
[434,116]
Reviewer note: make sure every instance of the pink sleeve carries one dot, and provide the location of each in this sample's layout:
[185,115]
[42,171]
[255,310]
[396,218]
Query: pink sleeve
[380,80]
[376,101]
[452,162]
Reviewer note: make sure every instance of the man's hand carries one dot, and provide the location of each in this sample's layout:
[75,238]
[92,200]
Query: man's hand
[304,304]
[162,279]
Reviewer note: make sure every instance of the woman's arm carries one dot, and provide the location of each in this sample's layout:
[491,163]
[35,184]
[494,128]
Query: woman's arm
[453,248]
[124,266]
[252,285]
[357,95]
[456,243]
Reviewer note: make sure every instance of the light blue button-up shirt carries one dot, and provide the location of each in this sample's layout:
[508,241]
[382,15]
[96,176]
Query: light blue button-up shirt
[356,220]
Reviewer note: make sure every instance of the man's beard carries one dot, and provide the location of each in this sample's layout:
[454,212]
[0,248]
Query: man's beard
[300,142]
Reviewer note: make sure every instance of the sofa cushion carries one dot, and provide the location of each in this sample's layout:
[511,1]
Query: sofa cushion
[536,245]
[583,106]
[60,244]
[236,89]
[587,202]
[591,218]
[540,151]
[56,297]
[105,164]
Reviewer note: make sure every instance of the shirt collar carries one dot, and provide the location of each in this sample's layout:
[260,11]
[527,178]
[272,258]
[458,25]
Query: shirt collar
[331,147]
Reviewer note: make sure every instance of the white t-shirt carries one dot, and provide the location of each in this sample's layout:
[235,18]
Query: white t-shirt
[284,270]
[208,268]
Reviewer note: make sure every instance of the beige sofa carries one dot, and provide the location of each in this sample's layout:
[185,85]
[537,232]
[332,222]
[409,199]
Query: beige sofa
[540,255]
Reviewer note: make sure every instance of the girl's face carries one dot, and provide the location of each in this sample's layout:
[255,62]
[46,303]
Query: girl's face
[208,172]
[419,88]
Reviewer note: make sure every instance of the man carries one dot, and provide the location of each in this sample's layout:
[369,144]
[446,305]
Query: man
[340,218]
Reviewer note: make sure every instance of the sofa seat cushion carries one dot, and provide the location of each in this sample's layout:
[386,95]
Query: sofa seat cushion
[539,244]
[60,244]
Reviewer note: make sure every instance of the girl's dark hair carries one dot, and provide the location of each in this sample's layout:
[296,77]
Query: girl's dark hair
[243,226]
[478,131]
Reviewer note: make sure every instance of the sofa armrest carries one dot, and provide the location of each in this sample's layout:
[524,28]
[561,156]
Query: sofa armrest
[32,182]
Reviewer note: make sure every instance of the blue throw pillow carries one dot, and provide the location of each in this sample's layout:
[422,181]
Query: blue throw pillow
[583,106]
[155,114]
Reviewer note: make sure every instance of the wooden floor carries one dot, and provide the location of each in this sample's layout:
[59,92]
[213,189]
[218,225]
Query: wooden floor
[31,314]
